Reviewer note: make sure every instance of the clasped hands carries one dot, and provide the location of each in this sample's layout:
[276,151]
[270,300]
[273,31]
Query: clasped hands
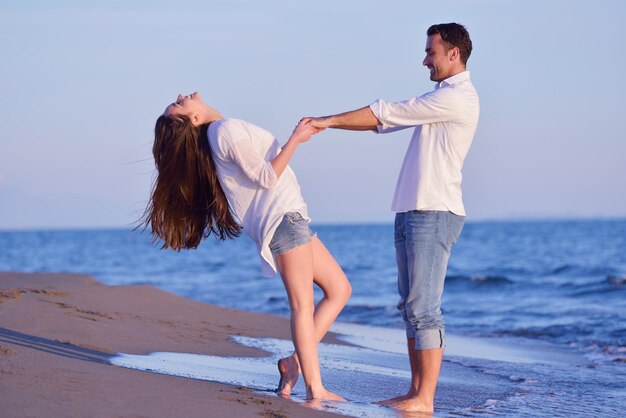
[310,126]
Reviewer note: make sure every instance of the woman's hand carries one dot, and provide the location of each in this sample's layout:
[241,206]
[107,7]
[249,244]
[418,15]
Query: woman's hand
[304,130]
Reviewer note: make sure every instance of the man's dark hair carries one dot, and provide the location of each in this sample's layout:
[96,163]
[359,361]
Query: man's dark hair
[453,35]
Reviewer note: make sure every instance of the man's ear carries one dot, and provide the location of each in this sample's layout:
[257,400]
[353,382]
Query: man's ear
[455,54]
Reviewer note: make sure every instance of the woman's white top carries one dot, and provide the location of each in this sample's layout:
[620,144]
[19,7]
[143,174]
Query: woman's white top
[242,153]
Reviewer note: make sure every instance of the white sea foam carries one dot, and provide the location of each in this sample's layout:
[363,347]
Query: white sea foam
[392,340]
[374,368]
[339,361]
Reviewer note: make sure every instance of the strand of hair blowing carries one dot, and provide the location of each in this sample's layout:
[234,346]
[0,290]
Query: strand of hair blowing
[187,202]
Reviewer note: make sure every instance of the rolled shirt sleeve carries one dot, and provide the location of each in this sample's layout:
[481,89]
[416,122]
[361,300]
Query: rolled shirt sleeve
[441,105]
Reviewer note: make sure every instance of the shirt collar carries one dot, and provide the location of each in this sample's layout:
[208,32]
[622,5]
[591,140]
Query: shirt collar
[457,78]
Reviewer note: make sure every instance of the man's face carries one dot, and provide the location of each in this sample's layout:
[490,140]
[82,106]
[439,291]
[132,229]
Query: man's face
[437,59]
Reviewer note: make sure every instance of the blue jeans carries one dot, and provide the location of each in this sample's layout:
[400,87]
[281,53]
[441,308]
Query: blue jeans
[423,242]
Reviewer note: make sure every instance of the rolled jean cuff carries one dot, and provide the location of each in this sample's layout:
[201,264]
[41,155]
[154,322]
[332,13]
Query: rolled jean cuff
[429,339]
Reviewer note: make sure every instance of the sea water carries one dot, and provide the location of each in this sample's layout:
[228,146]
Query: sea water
[538,309]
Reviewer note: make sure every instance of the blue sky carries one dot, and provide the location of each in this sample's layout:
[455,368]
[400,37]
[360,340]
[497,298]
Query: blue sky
[81,85]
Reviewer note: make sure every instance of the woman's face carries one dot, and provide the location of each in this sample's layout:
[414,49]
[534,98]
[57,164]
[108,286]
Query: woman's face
[185,105]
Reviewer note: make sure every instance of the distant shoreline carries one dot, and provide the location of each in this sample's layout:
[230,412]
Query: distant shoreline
[469,220]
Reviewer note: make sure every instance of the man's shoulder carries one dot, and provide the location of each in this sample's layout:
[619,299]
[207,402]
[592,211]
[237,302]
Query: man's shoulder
[460,77]
[462,87]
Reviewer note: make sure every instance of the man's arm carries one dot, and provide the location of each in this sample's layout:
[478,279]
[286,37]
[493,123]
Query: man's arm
[357,120]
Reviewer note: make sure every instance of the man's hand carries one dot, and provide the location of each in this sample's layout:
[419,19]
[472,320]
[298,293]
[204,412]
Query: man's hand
[357,120]
[319,123]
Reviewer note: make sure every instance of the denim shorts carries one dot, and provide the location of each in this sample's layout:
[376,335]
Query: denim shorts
[293,231]
[423,241]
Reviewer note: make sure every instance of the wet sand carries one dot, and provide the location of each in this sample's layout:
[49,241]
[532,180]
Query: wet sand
[71,346]
[58,333]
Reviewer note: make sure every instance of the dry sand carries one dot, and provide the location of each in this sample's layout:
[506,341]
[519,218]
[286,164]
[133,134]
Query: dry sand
[57,332]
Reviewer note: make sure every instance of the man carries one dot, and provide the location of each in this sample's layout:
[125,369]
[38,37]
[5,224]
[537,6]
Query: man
[427,201]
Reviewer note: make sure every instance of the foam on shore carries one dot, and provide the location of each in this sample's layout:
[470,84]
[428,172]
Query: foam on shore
[372,369]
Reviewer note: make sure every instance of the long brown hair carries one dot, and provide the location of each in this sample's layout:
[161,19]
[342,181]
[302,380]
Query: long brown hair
[187,202]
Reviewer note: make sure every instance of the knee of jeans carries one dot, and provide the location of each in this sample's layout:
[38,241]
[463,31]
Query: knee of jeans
[423,308]
[426,320]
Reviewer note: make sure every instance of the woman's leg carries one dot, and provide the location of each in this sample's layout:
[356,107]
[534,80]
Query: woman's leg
[297,269]
[329,276]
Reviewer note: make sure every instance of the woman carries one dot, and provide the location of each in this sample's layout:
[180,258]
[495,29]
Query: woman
[211,170]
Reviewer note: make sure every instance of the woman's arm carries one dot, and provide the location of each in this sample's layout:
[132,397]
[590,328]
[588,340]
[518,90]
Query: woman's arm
[301,134]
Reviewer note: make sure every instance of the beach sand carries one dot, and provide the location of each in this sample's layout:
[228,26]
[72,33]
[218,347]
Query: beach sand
[58,332]
[71,346]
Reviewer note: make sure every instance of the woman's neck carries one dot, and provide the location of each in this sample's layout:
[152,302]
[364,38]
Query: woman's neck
[209,115]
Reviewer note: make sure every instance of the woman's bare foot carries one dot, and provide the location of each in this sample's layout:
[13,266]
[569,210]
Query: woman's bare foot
[289,370]
[324,395]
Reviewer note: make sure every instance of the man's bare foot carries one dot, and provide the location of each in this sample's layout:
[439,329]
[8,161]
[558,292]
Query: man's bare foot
[289,371]
[409,394]
[324,395]
[413,405]
[314,404]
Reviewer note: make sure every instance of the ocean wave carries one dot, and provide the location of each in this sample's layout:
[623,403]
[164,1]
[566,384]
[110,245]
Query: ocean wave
[364,308]
[579,270]
[479,279]
[608,285]
[358,268]
[562,269]
[603,353]
[609,347]
[369,312]
[616,280]
[551,332]
[365,314]
[276,299]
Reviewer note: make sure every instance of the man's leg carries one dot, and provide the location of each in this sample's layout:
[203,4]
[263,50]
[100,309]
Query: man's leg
[430,236]
[414,386]
[404,286]
[428,367]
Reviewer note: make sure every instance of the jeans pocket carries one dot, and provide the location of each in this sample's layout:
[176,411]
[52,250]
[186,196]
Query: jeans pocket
[423,224]
[455,226]
[293,217]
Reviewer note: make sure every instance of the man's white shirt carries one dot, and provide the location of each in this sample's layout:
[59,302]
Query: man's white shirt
[445,122]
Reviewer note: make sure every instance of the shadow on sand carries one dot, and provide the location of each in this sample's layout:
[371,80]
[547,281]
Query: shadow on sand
[53,347]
